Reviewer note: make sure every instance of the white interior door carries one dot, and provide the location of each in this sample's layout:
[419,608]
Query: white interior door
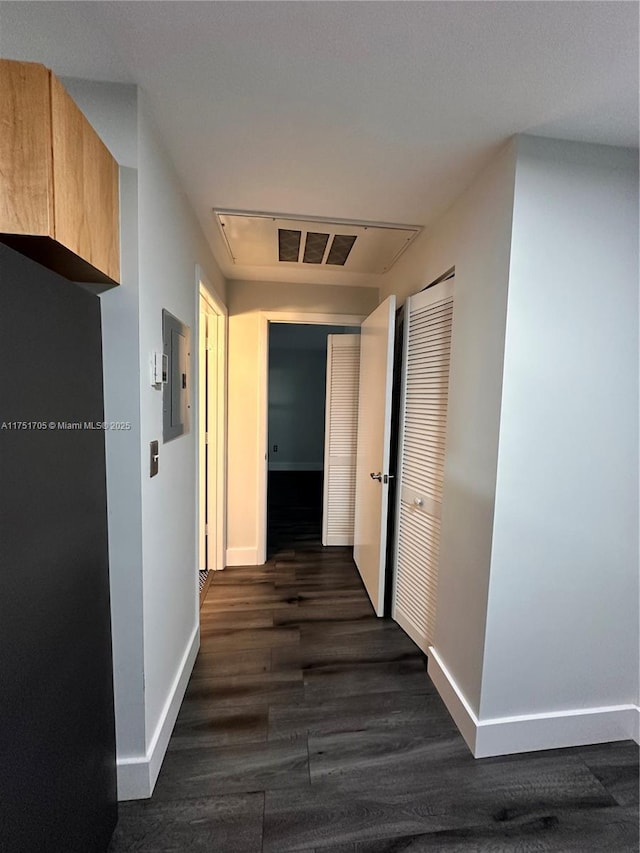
[340,439]
[211,395]
[423,427]
[202,437]
[372,461]
[214,437]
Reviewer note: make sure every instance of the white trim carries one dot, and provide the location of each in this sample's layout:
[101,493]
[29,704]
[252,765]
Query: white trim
[335,539]
[313,319]
[137,775]
[206,291]
[295,466]
[457,705]
[160,739]
[211,295]
[262,438]
[133,778]
[399,482]
[531,732]
[223,362]
[267,317]
[202,416]
[243,557]
[326,539]
[576,727]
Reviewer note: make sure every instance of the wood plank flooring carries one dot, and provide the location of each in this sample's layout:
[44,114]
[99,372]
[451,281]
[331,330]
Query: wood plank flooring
[311,725]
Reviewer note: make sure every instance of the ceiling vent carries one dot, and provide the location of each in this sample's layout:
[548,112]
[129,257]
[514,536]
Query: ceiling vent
[265,239]
[314,247]
[288,245]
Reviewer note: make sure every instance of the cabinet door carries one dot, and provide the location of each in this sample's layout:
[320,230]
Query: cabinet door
[85,178]
[25,149]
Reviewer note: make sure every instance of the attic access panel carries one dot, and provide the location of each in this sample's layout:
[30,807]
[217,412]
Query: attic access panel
[260,239]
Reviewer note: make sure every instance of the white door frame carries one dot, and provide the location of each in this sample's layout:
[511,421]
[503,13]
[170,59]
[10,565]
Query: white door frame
[217,472]
[267,317]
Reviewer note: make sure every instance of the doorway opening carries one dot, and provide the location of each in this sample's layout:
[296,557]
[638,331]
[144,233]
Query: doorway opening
[297,383]
[212,348]
[269,321]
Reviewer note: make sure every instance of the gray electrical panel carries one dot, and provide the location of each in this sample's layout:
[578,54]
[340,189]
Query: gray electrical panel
[175,395]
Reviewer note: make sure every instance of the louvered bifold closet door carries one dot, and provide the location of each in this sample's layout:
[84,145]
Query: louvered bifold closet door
[341,435]
[423,428]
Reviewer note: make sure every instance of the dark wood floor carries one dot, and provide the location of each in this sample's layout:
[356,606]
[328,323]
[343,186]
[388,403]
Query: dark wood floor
[294,510]
[311,725]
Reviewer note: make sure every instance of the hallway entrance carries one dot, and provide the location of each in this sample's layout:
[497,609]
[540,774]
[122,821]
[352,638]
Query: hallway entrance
[297,371]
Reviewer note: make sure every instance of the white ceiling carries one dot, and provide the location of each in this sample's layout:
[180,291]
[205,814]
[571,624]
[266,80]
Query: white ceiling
[378,111]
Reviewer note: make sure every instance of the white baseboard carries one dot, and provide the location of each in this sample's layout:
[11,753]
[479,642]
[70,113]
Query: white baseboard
[242,557]
[133,778]
[531,732]
[137,775]
[338,540]
[296,466]
[457,705]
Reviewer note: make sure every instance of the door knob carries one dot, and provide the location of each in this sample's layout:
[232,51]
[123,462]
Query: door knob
[377,476]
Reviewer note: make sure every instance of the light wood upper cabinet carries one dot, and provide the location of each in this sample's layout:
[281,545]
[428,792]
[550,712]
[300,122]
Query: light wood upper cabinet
[26,170]
[59,196]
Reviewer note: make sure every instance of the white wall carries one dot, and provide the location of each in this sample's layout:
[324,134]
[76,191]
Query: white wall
[246,300]
[562,626]
[170,245]
[475,237]
[152,522]
[112,109]
[536,642]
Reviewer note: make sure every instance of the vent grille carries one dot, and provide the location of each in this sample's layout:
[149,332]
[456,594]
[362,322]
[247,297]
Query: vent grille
[340,248]
[314,247]
[315,244]
[288,245]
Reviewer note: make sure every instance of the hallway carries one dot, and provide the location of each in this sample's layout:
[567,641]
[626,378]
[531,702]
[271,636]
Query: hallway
[309,724]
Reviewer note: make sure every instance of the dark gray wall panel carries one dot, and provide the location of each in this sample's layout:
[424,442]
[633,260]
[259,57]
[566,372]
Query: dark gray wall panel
[57,753]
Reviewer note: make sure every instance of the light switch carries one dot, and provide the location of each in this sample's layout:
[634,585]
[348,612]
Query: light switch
[153,458]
